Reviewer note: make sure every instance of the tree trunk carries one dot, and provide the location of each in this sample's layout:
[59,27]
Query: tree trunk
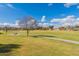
[6,30]
[28,34]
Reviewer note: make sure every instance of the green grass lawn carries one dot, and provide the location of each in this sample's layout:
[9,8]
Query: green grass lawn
[19,45]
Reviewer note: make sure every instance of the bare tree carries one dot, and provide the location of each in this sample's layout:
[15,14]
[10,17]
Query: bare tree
[27,23]
[6,28]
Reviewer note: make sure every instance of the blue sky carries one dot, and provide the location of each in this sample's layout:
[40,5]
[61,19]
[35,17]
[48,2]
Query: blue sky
[9,12]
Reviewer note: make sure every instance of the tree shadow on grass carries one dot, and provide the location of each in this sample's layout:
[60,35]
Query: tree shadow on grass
[39,36]
[1,33]
[6,48]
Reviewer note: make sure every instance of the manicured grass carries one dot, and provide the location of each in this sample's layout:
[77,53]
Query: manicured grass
[19,45]
[70,35]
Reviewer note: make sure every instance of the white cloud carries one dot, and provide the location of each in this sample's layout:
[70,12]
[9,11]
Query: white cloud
[17,22]
[8,25]
[77,19]
[50,4]
[69,20]
[7,6]
[55,20]
[43,18]
[10,6]
[69,4]
[43,24]
[76,23]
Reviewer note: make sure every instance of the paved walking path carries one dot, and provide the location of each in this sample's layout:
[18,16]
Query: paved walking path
[64,40]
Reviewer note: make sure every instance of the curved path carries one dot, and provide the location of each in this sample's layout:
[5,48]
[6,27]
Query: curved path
[64,40]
